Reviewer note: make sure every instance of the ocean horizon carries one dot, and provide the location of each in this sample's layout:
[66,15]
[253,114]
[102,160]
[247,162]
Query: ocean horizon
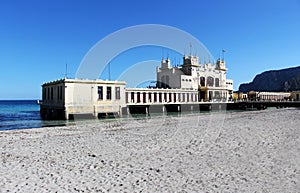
[23,114]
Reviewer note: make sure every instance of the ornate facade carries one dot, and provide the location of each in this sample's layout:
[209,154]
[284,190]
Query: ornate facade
[208,79]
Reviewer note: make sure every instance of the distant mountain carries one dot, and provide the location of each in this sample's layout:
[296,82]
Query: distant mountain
[274,81]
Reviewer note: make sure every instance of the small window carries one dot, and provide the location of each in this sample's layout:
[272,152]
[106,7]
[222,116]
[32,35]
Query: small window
[100,92]
[217,82]
[61,93]
[44,93]
[48,93]
[108,93]
[57,92]
[51,93]
[118,96]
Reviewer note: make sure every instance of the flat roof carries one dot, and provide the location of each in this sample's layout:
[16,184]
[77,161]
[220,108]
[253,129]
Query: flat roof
[86,81]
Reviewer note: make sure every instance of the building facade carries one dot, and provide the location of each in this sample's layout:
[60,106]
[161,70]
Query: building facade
[208,79]
[190,84]
[295,95]
[65,97]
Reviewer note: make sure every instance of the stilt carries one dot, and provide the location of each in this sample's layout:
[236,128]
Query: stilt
[147,111]
[163,109]
[127,110]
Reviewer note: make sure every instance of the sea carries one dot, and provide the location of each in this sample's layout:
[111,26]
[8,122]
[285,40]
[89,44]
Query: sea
[23,114]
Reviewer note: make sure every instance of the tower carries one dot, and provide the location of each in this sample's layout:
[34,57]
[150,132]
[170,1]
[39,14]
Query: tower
[221,65]
[165,64]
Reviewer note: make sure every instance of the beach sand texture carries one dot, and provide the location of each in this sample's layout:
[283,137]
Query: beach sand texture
[251,151]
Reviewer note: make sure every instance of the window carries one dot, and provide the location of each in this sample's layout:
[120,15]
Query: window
[144,97]
[108,93]
[217,94]
[44,93]
[51,93]
[210,95]
[138,100]
[165,97]
[202,81]
[132,97]
[217,82]
[57,92]
[149,96]
[210,81]
[118,96]
[48,93]
[100,92]
[126,97]
[61,93]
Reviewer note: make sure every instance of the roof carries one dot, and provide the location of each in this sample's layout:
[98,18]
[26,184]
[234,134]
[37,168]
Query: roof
[86,81]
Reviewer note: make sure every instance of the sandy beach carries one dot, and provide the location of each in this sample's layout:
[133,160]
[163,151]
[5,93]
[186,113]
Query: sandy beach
[251,151]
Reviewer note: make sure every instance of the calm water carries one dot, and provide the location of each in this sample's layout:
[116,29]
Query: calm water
[22,114]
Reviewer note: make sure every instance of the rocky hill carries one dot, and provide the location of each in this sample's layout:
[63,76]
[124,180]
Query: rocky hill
[274,80]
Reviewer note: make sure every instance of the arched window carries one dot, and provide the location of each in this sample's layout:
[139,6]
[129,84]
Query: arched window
[217,82]
[202,81]
[210,81]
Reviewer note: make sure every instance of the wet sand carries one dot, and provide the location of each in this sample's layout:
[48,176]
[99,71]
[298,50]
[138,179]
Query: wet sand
[219,152]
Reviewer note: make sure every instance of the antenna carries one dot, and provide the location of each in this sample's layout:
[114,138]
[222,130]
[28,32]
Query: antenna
[109,71]
[66,74]
[223,51]
[190,48]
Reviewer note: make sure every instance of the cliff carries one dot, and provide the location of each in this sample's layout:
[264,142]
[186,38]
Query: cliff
[274,81]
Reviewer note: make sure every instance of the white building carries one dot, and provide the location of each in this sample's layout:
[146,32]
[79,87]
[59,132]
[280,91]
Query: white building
[65,97]
[208,79]
[190,84]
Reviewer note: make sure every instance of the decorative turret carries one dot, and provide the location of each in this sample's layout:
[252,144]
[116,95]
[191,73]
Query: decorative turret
[191,60]
[165,63]
[186,60]
[220,65]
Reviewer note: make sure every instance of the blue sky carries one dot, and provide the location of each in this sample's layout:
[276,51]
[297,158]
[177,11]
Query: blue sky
[37,38]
